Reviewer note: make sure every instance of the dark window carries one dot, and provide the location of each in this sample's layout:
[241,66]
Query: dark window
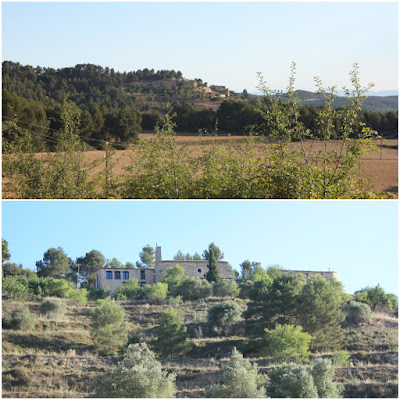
[117,275]
[108,275]
[125,275]
[142,274]
[199,271]
[142,284]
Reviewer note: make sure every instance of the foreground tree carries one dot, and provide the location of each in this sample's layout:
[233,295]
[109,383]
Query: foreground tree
[172,335]
[55,264]
[5,254]
[239,379]
[108,327]
[139,374]
[319,307]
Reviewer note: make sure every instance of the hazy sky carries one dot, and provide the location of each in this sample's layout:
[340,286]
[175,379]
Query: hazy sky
[221,43]
[357,239]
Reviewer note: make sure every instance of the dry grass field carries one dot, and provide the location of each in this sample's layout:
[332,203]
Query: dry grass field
[379,166]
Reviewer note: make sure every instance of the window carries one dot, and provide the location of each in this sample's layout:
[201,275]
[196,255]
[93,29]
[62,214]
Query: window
[117,275]
[108,275]
[125,275]
[199,271]
[142,284]
[142,274]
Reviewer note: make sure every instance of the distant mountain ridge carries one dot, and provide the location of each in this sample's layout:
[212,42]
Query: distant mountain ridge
[378,103]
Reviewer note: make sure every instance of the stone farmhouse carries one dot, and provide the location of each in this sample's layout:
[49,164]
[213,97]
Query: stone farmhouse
[113,278]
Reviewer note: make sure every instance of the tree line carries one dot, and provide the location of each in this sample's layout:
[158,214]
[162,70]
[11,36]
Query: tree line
[34,96]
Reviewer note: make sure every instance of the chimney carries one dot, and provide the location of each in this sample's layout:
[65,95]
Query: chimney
[158,253]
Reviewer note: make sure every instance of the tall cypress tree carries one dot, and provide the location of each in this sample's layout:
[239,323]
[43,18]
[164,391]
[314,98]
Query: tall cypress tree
[213,271]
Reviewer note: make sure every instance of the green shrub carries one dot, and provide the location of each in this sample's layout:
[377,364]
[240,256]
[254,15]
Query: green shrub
[173,278]
[134,336]
[376,298]
[159,291]
[130,290]
[357,313]
[15,287]
[298,381]
[98,294]
[78,296]
[194,289]
[57,288]
[239,379]
[323,374]
[20,318]
[172,335]
[245,288]
[291,380]
[342,358]
[287,341]
[225,288]
[108,327]
[221,316]
[139,374]
[52,308]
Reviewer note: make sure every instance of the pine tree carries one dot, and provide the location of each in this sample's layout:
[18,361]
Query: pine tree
[172,335]
[213,271]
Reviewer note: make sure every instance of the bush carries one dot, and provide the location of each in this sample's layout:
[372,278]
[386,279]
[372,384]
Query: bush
[225,288]
[287,341]
[173,278]
[291,380]
[108,327]
[57,288]
[139,374]
[20,318]
[376,298]
[357,313]
[134,336]
[297,381]
[342,358]
[239,379]
[130,290]
[223,315]
[159,291]
[194,289]
[98,294]
[52,308]
[15,287]
[172,335]
[78,296]
[323,374]
[245,288]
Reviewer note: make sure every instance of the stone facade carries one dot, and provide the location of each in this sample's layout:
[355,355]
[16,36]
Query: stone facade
[113,278]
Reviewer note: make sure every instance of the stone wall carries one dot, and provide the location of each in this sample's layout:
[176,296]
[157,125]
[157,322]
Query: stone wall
[113,284]
[192,268]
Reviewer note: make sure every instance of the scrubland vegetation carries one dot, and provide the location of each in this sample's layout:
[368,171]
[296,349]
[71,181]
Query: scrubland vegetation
[263,165]
[273,335]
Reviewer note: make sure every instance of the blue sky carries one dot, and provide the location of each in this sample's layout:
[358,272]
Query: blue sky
[221,43]
[357,239]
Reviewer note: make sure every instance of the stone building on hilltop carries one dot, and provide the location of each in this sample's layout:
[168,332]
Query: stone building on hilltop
[113,278]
